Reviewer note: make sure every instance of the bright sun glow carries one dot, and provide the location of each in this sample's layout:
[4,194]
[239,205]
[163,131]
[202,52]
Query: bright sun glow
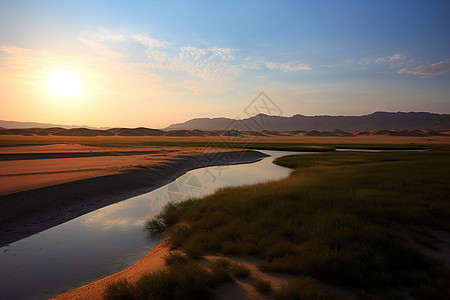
[65,84]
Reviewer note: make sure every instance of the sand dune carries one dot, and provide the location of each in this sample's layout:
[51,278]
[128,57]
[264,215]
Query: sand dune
[232,133]
[83,132]
[181,133]
[213,133]
[319,133]
[254,133]
[142,131]
[49,131]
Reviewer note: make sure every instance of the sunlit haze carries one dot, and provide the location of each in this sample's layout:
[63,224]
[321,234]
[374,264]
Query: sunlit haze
[153,63]
[65,84]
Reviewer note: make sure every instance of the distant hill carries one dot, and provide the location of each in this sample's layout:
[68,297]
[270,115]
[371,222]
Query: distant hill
[375,121]
[419,124]
[224,135]
[16,125]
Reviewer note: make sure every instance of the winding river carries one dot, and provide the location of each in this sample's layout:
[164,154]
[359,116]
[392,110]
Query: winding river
[112,238]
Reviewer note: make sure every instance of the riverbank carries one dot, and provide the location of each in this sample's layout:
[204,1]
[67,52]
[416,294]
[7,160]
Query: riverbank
[366,223]
[239,288]
[56,183]
[154,261]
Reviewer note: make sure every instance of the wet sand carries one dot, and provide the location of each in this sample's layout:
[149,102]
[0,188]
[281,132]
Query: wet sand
[46,185]
[153,261]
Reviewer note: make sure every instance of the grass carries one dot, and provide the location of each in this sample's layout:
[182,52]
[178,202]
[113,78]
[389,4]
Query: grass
[175,258]
[168,216]
[239,271]
[274,143]
[281,146]
[261,286]
[227,270]
[338,218]
[208,142]
[181,281]
[304,287]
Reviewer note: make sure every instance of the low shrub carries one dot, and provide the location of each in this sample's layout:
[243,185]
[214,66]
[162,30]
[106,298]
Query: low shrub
[175,258]
[304,288]
[181,281]
[220,268]
[261,285]
[226,270]
[119,290]
[338,217]
[169,215]
[239,270]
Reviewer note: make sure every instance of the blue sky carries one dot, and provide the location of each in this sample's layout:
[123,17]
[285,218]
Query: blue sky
[152,63]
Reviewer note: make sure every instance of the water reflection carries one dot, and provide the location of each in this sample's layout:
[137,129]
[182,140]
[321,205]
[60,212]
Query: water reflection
[378,150]
[112,238]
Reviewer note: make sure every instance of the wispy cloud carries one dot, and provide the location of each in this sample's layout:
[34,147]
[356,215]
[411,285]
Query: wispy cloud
[100,50]
[209,63]
[286,66]
[393,60]
[109,37]
[428,70]
[149,42]
[141,63]
[204,63]
[403,64]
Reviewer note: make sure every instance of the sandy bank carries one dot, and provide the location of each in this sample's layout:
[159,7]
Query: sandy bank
[154,261]
[94,291]
[42,192]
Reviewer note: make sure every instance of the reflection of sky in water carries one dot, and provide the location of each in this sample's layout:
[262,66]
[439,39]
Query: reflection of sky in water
[109,239]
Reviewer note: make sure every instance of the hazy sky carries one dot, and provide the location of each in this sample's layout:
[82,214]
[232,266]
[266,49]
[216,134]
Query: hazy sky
[153,63]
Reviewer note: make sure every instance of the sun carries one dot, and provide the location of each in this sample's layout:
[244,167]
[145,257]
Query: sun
[65,84]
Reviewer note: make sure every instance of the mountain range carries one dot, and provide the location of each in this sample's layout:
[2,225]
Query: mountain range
[375,121]
[16,125]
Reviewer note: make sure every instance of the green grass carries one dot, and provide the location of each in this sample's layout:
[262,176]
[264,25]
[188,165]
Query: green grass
[175,258]
[119,290]
[227,270]
[223,144]
[339,218]
[168,216]
[281,146]
[181,281]
[304,287]
[261,286]
[239,270]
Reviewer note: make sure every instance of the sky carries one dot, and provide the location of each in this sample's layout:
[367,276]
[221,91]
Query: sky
[154,63]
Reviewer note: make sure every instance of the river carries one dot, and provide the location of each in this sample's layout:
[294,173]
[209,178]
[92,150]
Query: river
[112,238]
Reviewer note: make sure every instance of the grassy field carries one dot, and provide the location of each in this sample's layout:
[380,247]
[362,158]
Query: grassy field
[293,146]
[184,279]
[356,220]
[341,217]
[293,143]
